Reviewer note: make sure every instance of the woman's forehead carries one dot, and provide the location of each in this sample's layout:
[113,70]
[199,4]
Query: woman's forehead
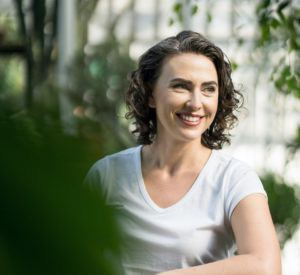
[189,65]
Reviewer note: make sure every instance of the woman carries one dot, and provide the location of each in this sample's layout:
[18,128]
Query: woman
[185,203]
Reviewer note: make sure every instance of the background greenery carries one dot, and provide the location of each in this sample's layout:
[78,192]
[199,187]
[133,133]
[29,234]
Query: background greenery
[50,222]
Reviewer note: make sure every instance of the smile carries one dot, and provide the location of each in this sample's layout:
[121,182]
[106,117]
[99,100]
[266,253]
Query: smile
[190,119]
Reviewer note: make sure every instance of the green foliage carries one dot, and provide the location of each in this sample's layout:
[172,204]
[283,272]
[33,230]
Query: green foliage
[194,10]
[11,84]
[177,7]
[171,21]
[50,222]
[11,75]
[8,30]
[294,145]
[208,17]
[234,65]
[178,11]
[274,14]
[279,23]
[285,80]
[284,206]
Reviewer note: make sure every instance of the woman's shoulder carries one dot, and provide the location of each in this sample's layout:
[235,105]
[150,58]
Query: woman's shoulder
[112,165]
[119,158]
[225,161]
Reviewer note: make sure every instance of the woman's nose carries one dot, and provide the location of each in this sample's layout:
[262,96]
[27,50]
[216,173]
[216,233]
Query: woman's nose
[194,101]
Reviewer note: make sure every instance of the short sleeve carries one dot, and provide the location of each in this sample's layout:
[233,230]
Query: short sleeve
[96,175]
[242,182]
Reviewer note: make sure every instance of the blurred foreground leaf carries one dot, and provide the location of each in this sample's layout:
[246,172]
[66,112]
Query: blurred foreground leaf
[50,222]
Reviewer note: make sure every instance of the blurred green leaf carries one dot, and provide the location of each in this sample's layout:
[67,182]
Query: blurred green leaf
[180,18]
[294,145]
[263,4]
[234,65]
[282,16]
[292,83]
[194,10]
[275,23]
[177,7]
[208,17]
[282,5]
[240,41]
[50,222]
[284,205]
[265,31]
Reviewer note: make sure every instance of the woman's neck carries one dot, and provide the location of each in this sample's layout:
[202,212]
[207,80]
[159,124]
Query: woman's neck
[175,157]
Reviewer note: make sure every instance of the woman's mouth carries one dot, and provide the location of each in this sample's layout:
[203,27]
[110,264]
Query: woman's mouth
[190,119]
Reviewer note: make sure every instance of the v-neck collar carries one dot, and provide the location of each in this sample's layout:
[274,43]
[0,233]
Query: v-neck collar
[145,193]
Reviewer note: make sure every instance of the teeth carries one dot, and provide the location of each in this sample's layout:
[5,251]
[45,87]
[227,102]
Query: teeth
[190,118]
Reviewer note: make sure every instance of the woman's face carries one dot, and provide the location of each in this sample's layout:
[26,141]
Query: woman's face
[185,97]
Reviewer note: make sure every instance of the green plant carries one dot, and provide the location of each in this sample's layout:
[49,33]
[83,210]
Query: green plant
[50,222]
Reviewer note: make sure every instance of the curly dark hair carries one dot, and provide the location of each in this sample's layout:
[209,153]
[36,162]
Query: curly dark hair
[150,64]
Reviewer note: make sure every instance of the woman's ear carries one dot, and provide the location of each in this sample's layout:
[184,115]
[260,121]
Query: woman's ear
[151,102]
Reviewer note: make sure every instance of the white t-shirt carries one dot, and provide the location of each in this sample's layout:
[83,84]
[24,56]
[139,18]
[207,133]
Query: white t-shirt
[195,230]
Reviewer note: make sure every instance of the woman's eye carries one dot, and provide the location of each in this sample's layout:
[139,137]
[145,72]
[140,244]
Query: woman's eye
[210,89]
[179,86]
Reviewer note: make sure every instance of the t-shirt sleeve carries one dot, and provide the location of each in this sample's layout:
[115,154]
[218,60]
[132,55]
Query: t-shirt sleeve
[242,182]
[95,176]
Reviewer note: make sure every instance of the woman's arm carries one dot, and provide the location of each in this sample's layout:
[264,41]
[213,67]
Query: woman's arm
[258,248]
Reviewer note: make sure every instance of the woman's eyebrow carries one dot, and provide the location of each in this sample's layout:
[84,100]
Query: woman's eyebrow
[182,80]
[208,83]
[188,82]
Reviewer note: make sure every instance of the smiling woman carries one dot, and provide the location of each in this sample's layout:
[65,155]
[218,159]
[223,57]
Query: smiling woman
[186,205]
[185,97]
